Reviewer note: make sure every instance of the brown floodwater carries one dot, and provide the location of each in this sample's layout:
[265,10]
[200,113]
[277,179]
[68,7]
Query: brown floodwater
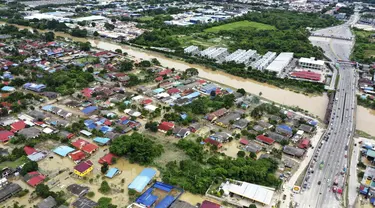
[314,104]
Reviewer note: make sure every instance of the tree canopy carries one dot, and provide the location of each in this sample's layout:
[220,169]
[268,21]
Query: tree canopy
[137,148]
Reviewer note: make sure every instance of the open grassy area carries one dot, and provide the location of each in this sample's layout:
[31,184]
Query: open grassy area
[243,25]
[13,164]
[88,59]
[145,18]
[364,49]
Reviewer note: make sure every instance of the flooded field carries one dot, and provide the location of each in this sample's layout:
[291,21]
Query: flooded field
[366,120]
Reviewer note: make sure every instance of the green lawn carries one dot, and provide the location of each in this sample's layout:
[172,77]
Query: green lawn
[244,25]
[145,18]
[88,59]
[13,164]
[369,53]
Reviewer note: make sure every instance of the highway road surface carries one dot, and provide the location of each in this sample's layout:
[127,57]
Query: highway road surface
[328,169]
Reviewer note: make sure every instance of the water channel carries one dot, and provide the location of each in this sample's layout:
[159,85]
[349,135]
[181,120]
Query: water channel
[314,104]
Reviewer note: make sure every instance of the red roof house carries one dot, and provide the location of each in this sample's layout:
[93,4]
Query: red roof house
[107,159]
[244,141]
[29,150]
[265,139]
[146,101]
[80,143]
[87,92]
[158,79]
[77,156]
[165,126]
[165,72]
[208,204]
[34,178]
[173,91]
[17,126]
[213,142]
[304,143]
[90,148]
[5,136]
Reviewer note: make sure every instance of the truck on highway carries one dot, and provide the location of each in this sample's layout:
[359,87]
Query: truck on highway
[335,182]
[321,165]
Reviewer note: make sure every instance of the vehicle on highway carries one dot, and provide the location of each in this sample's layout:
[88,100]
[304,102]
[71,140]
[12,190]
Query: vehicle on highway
[319,182]
[321,165]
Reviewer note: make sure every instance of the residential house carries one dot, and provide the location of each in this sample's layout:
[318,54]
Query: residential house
[216,114]
[48,202]
[194,127]
[304,143]
[264,124]
[38,115]
[213,142]
[165,126]
[17,126]
[226,120]
[240,124]
[83,168]
[258,128]
[84,202]
[108,158]
[5,136]
[306,128]
[77,156]
[293,151]
[78,190]
[30,133]
[285,130]
[34,178]
[181,132]
[208,204]
[253,147]
[34,87]
[50,95]
[181,204]
[9,190]
[265,140]
[221,136]
[277,137]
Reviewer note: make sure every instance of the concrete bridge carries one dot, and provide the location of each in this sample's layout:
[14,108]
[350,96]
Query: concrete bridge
[331,36]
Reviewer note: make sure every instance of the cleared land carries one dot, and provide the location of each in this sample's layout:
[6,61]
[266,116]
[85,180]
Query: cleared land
[241,25]
[364,49]
[145,18]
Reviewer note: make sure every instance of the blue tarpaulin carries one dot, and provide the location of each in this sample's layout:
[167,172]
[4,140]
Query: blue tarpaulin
[147,198]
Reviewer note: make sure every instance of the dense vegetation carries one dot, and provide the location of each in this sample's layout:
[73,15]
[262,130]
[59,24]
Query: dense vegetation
[137,148]
[289,36]
[66,82]
[364,48]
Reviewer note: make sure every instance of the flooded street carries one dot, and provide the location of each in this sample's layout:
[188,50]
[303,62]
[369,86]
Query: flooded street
[315,105]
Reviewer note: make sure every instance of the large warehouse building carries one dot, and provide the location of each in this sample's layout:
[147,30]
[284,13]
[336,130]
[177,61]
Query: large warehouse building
[280,62]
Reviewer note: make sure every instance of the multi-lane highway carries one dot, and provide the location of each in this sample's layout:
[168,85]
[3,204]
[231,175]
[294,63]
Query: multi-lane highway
[326,170]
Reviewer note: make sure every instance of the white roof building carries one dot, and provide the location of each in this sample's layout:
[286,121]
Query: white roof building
[253,192]
[311,63]
[91,18]
[262,63]
[280,62]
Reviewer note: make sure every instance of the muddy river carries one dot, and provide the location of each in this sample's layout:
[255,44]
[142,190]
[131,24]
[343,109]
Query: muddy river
[314,104]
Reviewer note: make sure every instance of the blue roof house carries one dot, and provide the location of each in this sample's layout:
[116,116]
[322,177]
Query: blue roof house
[34,87]
[208,88]
[141,181]
[101,140]
[63,150]
[8,89]
[89,110]
[112,172]
[284,129]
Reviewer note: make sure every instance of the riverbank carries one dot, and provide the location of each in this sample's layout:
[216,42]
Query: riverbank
[315,105]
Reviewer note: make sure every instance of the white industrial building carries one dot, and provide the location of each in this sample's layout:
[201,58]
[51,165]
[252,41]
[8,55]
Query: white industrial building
[311,63]
[247,193]
[192,50]
[262,63]
[218,54]
[280,62]
[241,56]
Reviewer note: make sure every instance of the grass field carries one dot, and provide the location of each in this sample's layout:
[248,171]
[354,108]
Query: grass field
[205,43]
[13,164]
[244,25]
[88,59]
[145,18]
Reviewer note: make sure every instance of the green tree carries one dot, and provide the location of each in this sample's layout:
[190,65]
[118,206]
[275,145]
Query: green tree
[96,34]
[104,187]
[85,46]
[42,190]
[29,167]
[155,61]
[126,66]
[252,206]
[241,153]
[104,168]
[109,26]
[137,147]
[152,126]
[242,91]
[118,51]
[49,36]
[105,202]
